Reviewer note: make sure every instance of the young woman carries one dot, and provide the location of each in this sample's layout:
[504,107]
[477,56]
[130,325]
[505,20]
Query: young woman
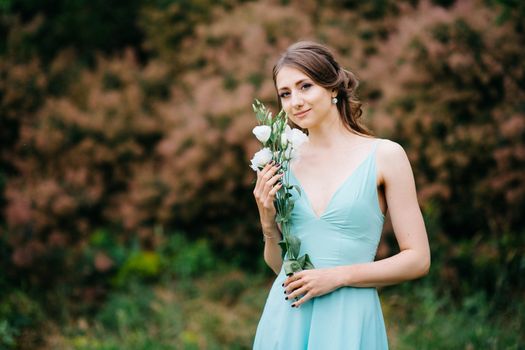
[348,180]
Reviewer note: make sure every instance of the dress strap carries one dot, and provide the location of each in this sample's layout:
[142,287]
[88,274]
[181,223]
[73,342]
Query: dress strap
[374,147]
[372,167]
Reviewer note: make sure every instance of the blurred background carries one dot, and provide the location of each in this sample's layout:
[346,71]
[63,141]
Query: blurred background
[127,215]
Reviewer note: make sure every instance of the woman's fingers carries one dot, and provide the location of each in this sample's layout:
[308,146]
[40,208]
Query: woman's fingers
[270,189]
[296,293]
[270,183]
[303,300]
[293,286]
[271,195]
[294,277]
[266,180]
[274,190]
[269,175]
[264,174]
[260,174]
[259,184]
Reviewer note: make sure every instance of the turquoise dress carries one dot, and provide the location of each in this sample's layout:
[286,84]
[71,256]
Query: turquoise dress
[347,233]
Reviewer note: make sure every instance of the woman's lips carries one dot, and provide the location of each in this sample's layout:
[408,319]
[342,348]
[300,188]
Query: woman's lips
[301,114]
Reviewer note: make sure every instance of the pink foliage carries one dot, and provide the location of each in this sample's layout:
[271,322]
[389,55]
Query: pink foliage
[112,150]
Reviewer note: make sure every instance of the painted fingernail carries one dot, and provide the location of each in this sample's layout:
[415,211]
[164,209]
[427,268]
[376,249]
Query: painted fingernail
[282,284]
[285,298]
[284,292]
[293,305]
[278,166]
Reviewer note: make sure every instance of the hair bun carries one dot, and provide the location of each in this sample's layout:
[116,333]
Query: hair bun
[349,84]
[350,81]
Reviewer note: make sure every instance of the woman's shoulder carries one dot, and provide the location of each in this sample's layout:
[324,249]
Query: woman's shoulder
[389,148]
[384,145]
[385,148]
[391,157]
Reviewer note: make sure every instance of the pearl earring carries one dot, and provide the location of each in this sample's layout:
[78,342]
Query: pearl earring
[334,100]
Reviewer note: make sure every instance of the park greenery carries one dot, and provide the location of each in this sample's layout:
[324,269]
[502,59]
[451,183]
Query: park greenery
[127,214]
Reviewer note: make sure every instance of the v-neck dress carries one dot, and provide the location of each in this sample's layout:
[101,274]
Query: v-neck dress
[346,233]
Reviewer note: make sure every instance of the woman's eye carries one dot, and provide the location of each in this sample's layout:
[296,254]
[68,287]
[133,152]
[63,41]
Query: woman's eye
[284,94]
[306,86]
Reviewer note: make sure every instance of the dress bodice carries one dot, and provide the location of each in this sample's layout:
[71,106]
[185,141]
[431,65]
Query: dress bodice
[349,229]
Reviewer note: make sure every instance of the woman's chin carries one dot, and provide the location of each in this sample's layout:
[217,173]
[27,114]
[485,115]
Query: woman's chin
[303,124]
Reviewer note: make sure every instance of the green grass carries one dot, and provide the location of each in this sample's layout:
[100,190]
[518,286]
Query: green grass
[216,311]
[220,311]
[419,319]
[183,296]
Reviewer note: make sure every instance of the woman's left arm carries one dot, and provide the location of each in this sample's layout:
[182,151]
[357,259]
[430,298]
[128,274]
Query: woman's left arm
[413,260]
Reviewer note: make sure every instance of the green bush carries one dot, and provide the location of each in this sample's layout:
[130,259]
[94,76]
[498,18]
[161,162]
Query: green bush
[20,314]
[183,259]
[438,322]
[140,265]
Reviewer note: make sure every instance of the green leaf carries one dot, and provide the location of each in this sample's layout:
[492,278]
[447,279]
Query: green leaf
[307,265]
[294,245]
[301,260]
[291,266]
[282,244]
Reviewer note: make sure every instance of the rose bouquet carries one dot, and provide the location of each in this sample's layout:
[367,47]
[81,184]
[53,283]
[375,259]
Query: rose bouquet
[281,143]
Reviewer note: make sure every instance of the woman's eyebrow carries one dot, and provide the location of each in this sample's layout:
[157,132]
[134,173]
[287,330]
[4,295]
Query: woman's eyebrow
[299,82]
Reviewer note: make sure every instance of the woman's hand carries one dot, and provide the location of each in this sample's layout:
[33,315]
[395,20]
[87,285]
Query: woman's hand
[265,190]
[311,283]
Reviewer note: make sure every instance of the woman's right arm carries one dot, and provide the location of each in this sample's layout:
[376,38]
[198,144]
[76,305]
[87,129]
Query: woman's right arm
[264,192]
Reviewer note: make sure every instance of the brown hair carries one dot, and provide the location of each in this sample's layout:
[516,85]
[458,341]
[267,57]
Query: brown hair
[317,62]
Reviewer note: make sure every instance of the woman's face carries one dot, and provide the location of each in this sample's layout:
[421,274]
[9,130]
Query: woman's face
[306,103]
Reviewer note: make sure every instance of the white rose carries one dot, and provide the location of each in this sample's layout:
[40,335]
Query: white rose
[287,154]
[297,137]
[262,132]
[290,152]
[261,158]
[284,136]
[284,140]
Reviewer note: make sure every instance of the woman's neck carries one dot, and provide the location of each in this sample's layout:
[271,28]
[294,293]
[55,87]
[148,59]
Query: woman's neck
[331,133]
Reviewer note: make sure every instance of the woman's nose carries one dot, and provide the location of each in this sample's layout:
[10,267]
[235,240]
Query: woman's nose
[296,100]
